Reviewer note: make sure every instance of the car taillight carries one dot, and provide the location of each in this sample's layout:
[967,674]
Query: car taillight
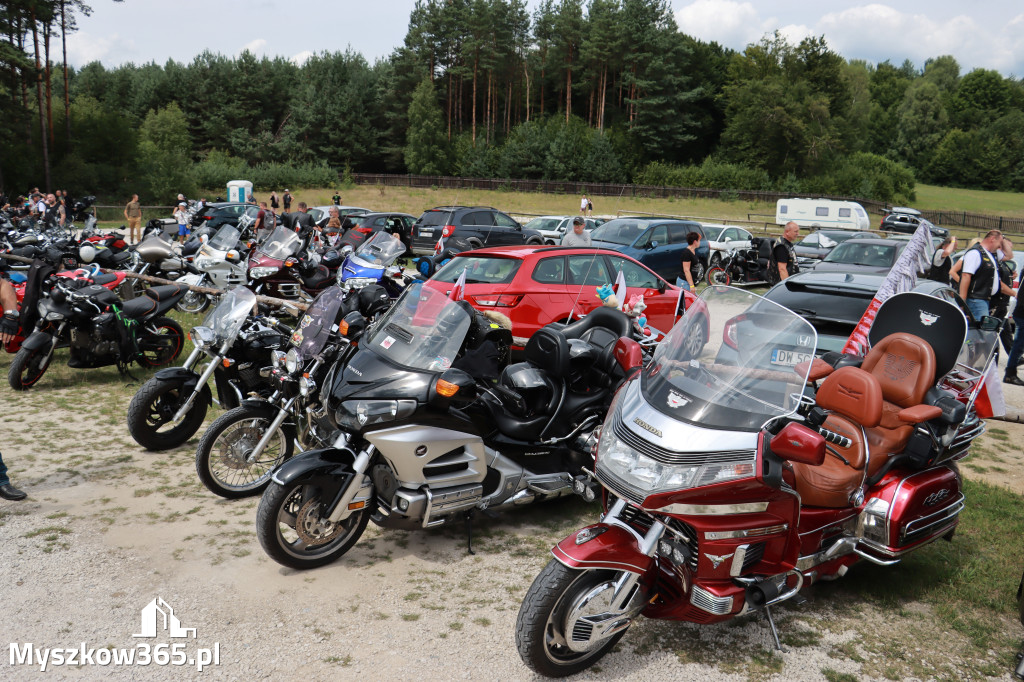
[448,231]
[729,331]
[364,230]
[502,301]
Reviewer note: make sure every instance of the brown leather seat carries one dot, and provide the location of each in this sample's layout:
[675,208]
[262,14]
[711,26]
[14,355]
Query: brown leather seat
[904,365]
[854,397]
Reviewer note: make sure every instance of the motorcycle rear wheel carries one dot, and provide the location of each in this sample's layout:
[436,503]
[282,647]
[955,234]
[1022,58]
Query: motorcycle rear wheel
[717,275]
[298,504]
[162,347]
[152,409]
[543,620]
[222,451]
[28,367]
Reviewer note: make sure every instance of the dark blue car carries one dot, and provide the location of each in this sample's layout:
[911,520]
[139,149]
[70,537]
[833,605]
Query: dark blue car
[658,243]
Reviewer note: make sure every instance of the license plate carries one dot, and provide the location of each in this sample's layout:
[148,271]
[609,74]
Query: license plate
[426,232]
[789,357]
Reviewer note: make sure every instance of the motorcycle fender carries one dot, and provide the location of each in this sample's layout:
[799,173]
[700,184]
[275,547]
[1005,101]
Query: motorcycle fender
[38,340]
[190,279]
[609,547]
[188,379]
[329,468]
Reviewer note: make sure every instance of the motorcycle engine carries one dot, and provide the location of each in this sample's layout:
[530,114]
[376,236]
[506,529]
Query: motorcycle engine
[90,348]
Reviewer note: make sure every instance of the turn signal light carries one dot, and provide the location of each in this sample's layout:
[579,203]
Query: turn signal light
[343,328]
[446,388]
[356,505]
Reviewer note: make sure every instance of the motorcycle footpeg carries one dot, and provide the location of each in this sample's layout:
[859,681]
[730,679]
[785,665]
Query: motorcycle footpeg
[583,486]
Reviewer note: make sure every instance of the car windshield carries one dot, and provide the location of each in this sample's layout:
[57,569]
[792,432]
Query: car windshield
[316,325]
[423,330]
[479,270]
[226,238]
[379,251]
[227,318]
[619,231]
[282,243]
[853,253]
[544,224]
[755,359]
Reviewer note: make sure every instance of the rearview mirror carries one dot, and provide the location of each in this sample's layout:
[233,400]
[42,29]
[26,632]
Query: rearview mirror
[990,323]
[653,244]
[797,443]
[454,387]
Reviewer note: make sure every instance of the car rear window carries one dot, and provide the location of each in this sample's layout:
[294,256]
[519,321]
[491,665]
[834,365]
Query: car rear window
[544,224]
[435,218]
[479,270]
[822,303]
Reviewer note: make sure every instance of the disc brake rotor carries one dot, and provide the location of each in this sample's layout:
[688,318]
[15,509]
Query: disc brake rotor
[311,528]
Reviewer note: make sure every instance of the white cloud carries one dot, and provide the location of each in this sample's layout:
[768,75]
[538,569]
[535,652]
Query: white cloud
[84,48]
[300,58]
[730,23]
[257,47]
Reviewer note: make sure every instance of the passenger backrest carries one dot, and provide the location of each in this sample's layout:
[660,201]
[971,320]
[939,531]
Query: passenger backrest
[904,365]
[548,350]
[853,393]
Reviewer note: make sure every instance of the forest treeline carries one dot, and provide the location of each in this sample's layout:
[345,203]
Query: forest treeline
[597,91]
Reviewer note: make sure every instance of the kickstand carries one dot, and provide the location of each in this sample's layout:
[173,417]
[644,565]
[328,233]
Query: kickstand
[775,632]
[469,532]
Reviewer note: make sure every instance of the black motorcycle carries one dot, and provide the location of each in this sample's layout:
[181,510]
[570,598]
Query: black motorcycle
[745,266]
[171,406]
[100,329]
[430,424]
[240,449]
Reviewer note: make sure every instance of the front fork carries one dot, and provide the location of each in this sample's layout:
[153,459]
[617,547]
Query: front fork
[193,360]
[648,546]
[282,413]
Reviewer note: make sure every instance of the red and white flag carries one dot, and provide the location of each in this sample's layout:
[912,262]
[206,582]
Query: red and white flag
[458,289]
[621,291]
[902,277]
[439,246]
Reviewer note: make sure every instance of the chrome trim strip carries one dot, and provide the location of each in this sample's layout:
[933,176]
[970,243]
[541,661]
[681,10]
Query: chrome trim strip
[558,553]
[705,601]
[713,509]
[737,560]
[745,533]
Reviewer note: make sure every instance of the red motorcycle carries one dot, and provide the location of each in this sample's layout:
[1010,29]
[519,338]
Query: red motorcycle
[283,267]
[732,478]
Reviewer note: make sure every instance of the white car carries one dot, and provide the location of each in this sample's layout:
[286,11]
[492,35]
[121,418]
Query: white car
[554,227]
[725,238]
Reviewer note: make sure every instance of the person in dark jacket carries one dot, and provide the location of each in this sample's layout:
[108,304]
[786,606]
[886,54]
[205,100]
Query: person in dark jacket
[941,260]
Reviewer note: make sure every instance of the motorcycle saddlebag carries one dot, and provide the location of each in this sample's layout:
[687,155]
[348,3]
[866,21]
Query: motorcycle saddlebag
[904,512]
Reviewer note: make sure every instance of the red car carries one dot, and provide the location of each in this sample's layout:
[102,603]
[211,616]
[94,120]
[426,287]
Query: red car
[537,285]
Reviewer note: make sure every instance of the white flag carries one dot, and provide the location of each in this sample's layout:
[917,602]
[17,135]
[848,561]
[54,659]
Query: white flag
[620,289]
[460,285]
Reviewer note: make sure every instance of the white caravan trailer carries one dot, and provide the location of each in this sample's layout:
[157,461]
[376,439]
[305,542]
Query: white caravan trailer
[844,215]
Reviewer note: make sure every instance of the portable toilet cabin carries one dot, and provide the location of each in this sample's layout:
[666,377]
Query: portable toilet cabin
[239,190]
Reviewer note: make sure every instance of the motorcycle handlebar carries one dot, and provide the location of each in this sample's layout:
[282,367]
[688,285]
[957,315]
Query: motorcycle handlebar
[835,438]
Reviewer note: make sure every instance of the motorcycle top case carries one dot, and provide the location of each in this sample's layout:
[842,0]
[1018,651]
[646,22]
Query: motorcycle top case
[917,508]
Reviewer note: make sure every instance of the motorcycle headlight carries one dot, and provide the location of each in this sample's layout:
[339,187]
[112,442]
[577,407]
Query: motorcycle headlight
[204,262]
[277,358]
[259,273]
[306,386]
[355,414]
[202,337]
[291,361]
[618,459]
[356,282]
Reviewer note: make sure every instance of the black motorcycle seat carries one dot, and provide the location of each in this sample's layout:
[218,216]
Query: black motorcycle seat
[599,327]
[318,278]
[103,278]
[121,257]
[139,307]
[155,298]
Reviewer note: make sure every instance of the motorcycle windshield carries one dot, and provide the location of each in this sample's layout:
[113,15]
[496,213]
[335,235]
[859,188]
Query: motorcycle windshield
[316,325]
[424,330]
[734,361]
[281,243]
[226,238]
[227,318]
[379,251]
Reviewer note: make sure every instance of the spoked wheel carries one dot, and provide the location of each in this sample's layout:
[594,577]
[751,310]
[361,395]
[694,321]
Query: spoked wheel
[222,458]
[558,631]
[718,275]
[293,533]
[152,409]
[697,270]
[160,342]
[193,302]
[28,367]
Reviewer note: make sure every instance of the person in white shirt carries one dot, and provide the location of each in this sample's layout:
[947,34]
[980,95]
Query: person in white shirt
[979,275]
[584,203]
[579,237]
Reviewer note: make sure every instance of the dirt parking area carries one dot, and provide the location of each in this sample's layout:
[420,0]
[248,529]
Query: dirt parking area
[109,527]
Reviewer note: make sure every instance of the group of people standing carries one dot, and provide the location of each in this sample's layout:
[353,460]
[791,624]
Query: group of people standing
[54,207]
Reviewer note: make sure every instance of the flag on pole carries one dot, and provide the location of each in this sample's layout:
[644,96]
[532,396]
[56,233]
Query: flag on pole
[460,285]
[439,246]
[902,277]
[620,289]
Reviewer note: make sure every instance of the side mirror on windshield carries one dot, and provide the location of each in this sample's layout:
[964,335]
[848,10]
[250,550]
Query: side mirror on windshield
[662,286]
[990,323]
[797,443]
[652,245]
[352,325]
[454,387]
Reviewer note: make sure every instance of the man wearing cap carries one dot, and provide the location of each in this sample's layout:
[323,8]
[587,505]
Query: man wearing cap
[579,237]
[182,216]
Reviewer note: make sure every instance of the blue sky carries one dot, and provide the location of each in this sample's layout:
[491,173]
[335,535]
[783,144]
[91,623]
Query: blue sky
[985,33]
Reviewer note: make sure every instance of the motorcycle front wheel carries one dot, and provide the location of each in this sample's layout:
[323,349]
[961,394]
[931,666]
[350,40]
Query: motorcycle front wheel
[223,451]
[28,367]
[718,275]
[160,342]
[292,532]
[152,409]
[550,617]
[193,302]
